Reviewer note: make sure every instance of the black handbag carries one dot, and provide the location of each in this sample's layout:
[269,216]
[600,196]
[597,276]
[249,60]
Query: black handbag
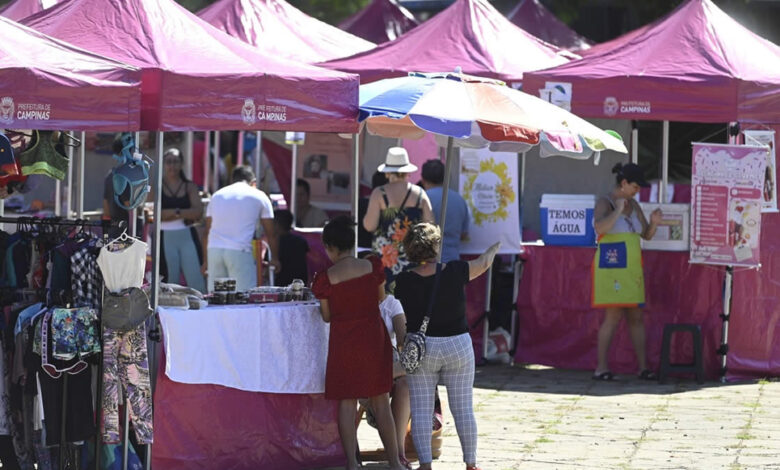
[125,310]
[413,351]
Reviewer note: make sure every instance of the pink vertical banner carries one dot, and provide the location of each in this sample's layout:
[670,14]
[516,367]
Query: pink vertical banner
[420,151]
[726,199]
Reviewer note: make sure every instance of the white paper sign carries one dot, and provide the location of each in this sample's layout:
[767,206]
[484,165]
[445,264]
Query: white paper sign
[769,196]
[566,221]
[488,183]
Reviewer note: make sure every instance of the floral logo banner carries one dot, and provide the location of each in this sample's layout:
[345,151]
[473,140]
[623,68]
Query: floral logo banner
[489,184]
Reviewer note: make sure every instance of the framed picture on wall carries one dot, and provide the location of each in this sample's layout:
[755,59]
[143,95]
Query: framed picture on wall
[673,233]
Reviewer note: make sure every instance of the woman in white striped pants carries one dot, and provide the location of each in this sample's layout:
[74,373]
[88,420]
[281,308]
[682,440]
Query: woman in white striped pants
[449,356]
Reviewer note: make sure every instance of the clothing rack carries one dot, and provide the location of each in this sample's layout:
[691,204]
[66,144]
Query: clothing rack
[59,222]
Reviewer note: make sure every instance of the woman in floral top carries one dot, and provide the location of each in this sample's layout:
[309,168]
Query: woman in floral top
[392,209]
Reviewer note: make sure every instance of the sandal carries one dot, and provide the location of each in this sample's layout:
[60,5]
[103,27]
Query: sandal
[648,374]
[604,376]
[406,463]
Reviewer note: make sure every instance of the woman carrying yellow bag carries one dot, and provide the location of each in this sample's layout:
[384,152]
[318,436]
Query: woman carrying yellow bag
[618,280]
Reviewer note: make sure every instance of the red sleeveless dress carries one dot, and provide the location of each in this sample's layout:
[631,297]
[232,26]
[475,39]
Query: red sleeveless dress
[360,355]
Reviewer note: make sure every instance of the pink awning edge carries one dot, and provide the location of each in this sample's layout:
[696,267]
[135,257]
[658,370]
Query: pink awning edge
[279,29]
[199,78]
[696,65]
[470,34]
[55,85]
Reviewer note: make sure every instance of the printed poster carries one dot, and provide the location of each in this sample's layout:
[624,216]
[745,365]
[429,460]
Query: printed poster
[762,137]
[727,188]
[488,183]
[325,161]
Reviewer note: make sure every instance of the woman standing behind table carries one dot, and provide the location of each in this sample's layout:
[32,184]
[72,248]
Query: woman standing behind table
[449,356]
[618,280]
[392,209]
[181,205]
[360,356]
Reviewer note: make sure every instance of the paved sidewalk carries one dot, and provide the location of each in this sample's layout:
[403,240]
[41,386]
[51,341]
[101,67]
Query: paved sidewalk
[541,418]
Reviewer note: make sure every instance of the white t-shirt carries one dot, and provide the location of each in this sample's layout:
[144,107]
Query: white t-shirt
[389,308]
[124,268]
[234,212]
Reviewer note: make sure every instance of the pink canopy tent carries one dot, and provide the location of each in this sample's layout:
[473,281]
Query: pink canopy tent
[280,29]
[470,34]
[697,65]
[20,9]
[534,18]
[53,85]
[196,77]
[380,21]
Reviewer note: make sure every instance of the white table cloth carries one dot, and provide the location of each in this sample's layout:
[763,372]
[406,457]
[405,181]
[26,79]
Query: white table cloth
[274,348]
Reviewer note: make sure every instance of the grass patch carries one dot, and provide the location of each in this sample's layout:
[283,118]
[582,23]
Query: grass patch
[745,436]
[542,440]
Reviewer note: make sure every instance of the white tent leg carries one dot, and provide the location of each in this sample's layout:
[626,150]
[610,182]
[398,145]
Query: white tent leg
[662,190]
[217,155]
[69,194]
[355,184]
[258,155]
[635,145]
[207,162]
[189,138]
[82,158]
[240,149]
[293,180]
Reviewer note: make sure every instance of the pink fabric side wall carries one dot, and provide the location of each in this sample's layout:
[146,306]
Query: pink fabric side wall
[559,328]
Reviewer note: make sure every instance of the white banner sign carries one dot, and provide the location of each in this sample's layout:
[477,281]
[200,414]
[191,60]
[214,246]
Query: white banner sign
[769,194]
[488,183]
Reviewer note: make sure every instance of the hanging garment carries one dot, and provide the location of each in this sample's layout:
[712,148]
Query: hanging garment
[42,158]
[126,368]
[85,278]
[123,268]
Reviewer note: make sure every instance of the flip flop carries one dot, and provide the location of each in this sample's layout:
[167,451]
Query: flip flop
[648,374]
[604,376]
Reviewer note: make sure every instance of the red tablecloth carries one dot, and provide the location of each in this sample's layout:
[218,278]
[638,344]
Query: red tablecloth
[213,427]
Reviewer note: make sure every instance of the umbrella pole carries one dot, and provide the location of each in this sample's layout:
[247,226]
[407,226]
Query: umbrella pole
[445,190]
[355,184]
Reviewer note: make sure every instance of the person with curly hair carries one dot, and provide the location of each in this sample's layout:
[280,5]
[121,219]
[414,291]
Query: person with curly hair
[449,357]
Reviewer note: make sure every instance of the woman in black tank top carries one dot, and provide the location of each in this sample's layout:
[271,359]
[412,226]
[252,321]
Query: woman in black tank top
[181,208]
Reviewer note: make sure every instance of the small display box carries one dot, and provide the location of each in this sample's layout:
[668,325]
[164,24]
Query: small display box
[567,219]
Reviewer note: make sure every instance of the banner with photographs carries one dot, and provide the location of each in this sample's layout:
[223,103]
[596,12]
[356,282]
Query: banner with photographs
[727,193]
[488,183]
[763,137]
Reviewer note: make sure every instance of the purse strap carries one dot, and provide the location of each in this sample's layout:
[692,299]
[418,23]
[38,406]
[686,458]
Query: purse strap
[429,312]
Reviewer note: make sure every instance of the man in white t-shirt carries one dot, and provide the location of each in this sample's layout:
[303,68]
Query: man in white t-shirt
[231,218]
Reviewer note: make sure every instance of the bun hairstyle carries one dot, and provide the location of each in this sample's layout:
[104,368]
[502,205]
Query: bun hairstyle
[618,171]
[339,233]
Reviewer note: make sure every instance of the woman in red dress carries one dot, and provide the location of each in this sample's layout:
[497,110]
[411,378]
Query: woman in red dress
[360,356]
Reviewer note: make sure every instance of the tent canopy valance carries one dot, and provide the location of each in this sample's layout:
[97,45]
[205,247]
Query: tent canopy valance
[696,65]
[53,85]
[196,77]
[471,35]
[279,29]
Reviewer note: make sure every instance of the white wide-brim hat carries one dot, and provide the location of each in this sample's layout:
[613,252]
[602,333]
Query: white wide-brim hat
[396,161]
